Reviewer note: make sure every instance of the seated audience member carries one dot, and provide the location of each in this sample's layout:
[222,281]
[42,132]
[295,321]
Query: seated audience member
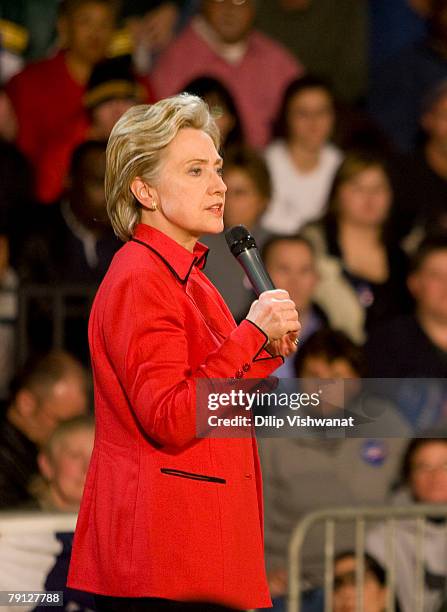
[290,262]
[340,471]
[402,82]
[111,90]
[375,591]
[151,25]
[27,31]
[39,560]
[51,390]
[63,463]
[394,26]
[221,102]
[415,345]
[221,42]
[316,32]
[424,480]
[48,95]
[420,180]
[302,162]
[248,193]
[362,272]
[70,243]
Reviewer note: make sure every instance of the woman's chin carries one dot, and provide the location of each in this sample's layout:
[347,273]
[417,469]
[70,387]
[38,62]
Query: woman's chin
[215,228]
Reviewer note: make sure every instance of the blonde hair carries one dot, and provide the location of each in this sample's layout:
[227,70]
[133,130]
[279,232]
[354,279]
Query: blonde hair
[135,149]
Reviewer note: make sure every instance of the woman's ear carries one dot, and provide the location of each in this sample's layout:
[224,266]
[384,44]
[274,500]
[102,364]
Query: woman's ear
[144,193]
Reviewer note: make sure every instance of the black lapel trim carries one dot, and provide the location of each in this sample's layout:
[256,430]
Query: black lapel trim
[179,278]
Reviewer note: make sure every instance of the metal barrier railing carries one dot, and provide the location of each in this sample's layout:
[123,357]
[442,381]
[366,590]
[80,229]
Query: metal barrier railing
[58,302]
[389,515]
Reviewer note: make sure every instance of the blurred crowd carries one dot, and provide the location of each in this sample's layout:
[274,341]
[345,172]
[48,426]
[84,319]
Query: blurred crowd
[333,118]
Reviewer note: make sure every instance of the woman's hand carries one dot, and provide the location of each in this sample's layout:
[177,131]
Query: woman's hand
[276,314]
[285,346]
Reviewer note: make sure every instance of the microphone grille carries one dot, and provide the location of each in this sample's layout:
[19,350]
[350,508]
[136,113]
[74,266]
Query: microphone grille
[239,239]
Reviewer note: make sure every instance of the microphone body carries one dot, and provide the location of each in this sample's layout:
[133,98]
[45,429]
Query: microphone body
[243,246]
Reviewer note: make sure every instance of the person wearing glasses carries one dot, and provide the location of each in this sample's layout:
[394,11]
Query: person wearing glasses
[424,481]
[221,42]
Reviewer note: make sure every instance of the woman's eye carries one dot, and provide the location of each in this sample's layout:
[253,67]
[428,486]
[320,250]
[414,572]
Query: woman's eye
[195,171]
[220,171]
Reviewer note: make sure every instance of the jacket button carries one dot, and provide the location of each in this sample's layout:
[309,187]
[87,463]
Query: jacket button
[239,374]
[246,367]
[248,476]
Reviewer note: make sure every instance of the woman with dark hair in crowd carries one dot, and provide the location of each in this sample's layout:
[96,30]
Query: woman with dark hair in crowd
[424,481]
[362,273]
[222,106]
[301,161]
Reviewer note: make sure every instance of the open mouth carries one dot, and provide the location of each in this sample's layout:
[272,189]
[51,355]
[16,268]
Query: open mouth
[217,209]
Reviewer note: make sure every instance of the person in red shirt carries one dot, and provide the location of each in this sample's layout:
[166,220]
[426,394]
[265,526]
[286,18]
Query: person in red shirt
[170,520]
[48,95]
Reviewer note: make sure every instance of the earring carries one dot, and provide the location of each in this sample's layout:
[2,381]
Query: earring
[154,206]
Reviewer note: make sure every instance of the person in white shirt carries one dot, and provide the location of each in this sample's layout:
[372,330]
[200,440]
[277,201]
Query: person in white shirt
[302,161]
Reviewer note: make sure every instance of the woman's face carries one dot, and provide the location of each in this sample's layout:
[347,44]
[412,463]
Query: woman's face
[374,594]
[365,199]
[310,118]
[189,191]
[428,475]
[244,202]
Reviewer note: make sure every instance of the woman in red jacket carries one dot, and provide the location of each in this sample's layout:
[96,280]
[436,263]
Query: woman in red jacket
[170,521]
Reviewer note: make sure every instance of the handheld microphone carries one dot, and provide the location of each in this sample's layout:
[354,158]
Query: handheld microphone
[243,246]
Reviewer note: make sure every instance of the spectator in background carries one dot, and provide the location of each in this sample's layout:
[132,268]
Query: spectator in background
[400,86]
[394,26]
[221,42]
[420,180]
[375,591]
[329,38]
[414,346]
[111,90]
[223,107]
[340,471]
[50,390]
[48,95]
[151,26]
[424,481]
[290,262]
[38,560]
[63,462]
[362,272]
[70,243]
[248,194]
[302,162]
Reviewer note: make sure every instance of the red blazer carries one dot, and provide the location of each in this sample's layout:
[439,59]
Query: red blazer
[165,514]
